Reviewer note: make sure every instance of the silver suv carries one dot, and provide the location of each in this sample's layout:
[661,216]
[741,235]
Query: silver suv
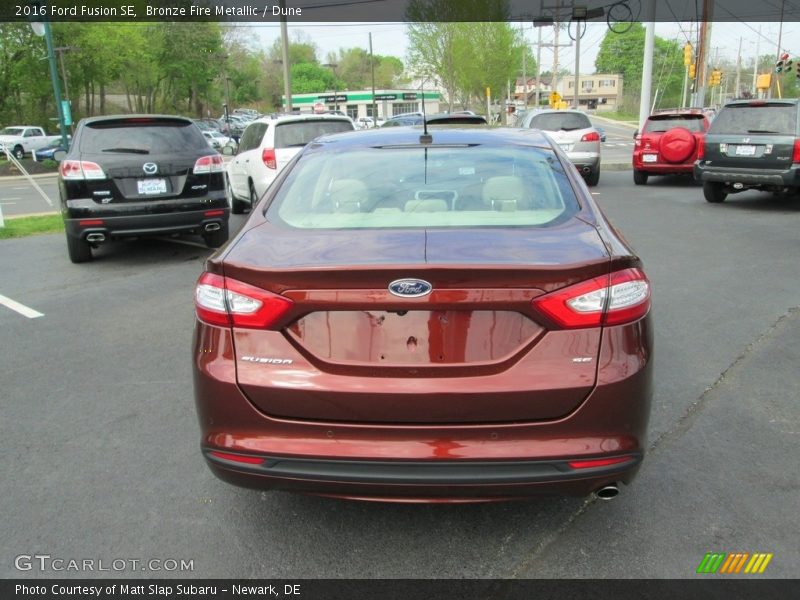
[572,130]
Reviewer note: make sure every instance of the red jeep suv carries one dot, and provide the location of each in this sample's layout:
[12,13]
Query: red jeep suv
[669,143]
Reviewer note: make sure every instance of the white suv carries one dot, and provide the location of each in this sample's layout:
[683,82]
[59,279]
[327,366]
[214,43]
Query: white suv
[267,145]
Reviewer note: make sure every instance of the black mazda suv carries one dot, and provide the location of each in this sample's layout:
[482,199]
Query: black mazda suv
[140,175]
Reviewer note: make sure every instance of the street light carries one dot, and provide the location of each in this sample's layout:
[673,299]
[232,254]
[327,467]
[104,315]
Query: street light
[335,91]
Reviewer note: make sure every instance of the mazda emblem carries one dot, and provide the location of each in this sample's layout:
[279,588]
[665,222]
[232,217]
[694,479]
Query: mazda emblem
[150,168]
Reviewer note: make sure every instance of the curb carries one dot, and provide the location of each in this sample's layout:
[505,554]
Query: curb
[37,214]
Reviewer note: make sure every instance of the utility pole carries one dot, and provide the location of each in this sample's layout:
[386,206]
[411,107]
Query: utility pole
[577,62]
[647,66]
[51,57]
[287,83]
[538,67]
[755,65]
[60,50]
[737,88]
[524,65]
[702,54]
[778,53]
[372,66]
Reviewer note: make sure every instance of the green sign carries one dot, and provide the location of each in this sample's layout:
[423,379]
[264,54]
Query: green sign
[67,112]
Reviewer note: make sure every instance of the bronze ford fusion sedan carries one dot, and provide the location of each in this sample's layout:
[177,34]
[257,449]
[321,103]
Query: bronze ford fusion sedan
[413,318]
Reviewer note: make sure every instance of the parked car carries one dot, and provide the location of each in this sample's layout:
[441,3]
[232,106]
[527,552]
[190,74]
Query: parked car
[20,140]
[48,151]
[365,123]
[669,143]
[267,145]
[139,175]
[576,136]
[216,140]
[751,144]
[408,320]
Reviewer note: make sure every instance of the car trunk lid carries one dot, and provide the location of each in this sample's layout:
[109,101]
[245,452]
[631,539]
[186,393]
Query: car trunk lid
[474,345]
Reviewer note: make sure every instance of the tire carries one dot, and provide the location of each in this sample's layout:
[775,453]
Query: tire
[593,178]
[19,152]
[217,238]
[253,196]
[78,250]
[238,207]
[640,177]
[714,192]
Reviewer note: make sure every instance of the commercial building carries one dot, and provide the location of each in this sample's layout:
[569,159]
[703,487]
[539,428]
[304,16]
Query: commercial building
[360,103]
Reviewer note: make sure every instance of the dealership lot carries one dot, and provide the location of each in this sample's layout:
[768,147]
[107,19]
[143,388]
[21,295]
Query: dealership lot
[101,439]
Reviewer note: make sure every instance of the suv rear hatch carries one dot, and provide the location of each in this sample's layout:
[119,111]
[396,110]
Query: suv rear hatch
[291,136]
[758,135]
[672,138]
[473,350]
[147,159]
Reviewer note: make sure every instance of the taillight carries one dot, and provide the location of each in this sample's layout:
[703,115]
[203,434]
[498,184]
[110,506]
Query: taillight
[241,458]
[622,297]
[268,156]
[796,152]
[593,463]
[208,164]
[592,136]
[80,169]
[701,147]
[229,303]
[637,141]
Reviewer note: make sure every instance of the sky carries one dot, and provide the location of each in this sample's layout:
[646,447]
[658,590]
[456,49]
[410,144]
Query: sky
[391,39]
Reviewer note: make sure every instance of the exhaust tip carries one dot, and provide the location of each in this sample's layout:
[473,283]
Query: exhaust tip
[212,227]
[586,170]
[607,492]
[96,238]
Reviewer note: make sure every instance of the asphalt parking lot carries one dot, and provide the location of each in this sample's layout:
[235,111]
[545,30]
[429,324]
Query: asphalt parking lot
[100,437]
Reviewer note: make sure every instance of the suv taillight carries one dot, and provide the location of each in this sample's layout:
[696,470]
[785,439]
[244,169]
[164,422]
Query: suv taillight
[230,303]
[208,164]
[701,147]
[80,169]
[622,297]
[796,151]
[268,156]
[592,136]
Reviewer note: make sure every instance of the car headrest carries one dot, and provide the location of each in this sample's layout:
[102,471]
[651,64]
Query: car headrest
[348,195]
[503,192]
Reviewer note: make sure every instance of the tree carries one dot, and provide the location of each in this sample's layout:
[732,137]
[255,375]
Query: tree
[308,78]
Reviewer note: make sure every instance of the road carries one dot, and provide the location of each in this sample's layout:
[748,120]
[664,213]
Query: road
[101,442]
[618,147]
[19,197]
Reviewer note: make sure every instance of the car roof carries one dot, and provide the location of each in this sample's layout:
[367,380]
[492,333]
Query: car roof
[761,102]
[301,117]
[410,136]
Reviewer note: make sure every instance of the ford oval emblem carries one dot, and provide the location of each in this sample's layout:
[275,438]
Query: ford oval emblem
[410,288]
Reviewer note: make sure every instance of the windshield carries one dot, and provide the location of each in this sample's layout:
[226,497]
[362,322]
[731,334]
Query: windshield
[693,123]
[12,131]
[747,119]
[557,121]
[444,186]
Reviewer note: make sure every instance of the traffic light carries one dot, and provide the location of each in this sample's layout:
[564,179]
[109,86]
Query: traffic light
[783,64]
[693,71]
[716,77]
[797,64]
[687,54]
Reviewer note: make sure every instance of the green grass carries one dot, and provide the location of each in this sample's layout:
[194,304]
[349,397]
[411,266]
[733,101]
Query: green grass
[24,226]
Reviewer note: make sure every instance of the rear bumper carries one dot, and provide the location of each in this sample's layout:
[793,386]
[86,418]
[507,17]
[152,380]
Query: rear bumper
[428,462]
[751,177]
[146,225]
[662,168]
[584,159]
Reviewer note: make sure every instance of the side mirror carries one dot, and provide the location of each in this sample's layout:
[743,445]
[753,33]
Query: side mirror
[228,150]
[59,155]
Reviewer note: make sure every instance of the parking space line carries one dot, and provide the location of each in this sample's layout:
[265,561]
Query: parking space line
[10,202]
[20,308]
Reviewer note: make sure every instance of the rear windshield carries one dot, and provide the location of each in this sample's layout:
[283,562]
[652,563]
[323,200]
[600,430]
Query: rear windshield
[145,136]
[444,186]
[558,121]
[693,123]
[299,133]
[766,118]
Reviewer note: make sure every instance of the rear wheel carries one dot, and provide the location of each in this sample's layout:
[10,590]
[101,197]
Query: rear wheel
[714,192]
[639,177]
[19,152]
[237,206]
[253,196]
[79,251]
[215,239]
[593,178]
